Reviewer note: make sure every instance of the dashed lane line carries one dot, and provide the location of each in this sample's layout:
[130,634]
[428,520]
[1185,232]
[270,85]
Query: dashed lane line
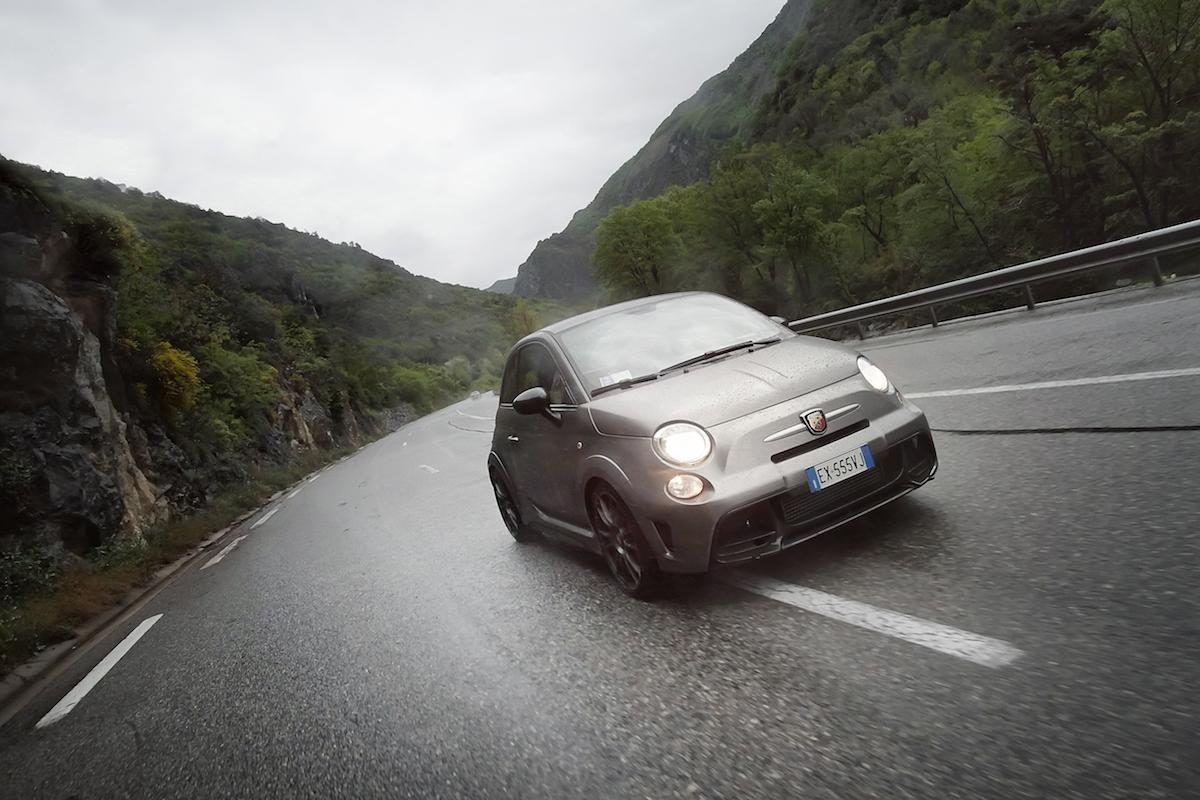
[265,517]
[982,650]
[429,469]
[1188,372]
[293,494]
[72,698]
[228,548]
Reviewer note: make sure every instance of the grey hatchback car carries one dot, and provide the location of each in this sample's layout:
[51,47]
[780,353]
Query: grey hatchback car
[681,431]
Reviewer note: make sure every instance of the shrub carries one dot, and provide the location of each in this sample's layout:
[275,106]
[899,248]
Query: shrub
[26,568]
[178,376]
[101,240]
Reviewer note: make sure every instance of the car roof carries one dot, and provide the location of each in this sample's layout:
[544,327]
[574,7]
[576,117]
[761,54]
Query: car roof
[588,316]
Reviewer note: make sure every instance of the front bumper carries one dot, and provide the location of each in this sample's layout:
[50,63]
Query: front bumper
[768,507]
[775,523]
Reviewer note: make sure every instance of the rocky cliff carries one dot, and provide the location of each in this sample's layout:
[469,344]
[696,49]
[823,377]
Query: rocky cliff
[678,153]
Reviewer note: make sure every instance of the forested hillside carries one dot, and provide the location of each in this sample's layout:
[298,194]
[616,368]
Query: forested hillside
[341,319]
[908,143]
[156,353]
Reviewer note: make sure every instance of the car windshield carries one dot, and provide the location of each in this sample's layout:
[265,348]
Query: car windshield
[647,338]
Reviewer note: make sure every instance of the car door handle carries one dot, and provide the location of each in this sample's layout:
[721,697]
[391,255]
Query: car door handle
[514,439]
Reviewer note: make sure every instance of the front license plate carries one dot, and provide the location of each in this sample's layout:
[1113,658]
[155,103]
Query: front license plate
[837,469]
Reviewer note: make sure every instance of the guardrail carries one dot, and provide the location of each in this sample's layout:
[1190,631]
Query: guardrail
[1144,246]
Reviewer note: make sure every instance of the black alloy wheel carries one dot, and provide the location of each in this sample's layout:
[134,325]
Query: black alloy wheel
[507,503]
[622,544]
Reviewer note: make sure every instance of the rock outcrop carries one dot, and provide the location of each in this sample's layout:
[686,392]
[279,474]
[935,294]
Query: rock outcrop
[58,422]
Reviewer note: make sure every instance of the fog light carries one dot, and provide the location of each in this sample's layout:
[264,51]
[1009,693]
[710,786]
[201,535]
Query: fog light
[685,487]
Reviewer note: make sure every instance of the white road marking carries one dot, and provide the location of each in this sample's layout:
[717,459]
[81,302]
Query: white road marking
[72,698]
[265,517]
[217,558]
[1189,372]
[981,650]
[429,469]
[293,494]
[473,416]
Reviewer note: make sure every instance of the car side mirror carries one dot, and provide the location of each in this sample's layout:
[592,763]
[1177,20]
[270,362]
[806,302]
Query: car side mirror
[778,320]
[532,401]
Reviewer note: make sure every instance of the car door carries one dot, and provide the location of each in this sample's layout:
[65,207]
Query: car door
[544,446]
[506,438]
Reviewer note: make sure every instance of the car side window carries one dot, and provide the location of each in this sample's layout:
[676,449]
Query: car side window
[535,366]
[508,386]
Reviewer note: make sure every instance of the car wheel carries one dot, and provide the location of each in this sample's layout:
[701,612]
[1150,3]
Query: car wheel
[506,501]
[622,544]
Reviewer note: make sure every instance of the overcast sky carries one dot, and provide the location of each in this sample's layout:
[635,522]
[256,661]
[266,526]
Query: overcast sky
[446,135]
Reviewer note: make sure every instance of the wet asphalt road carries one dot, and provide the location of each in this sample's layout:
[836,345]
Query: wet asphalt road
[381,635]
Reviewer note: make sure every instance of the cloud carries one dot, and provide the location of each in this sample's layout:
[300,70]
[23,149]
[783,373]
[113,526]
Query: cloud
[447,136]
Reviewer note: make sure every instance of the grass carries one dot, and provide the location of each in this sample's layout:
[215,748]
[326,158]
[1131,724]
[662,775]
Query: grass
[87,587]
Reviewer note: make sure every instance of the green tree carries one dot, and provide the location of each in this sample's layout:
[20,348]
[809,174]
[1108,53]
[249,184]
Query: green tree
[1138,90]
[523,320]
[636,248]
[793,220]
[458,369]
[733,230]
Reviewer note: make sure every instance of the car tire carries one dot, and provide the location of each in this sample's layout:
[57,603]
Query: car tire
[510,511]
[622,544]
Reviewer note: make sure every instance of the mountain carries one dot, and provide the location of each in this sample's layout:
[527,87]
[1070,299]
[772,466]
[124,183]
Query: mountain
[503,286]
[678,153]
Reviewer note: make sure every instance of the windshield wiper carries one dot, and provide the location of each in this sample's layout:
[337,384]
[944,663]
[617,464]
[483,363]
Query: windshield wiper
[720,351]
[625,384]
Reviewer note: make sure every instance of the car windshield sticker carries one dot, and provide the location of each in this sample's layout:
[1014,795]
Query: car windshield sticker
[616,377]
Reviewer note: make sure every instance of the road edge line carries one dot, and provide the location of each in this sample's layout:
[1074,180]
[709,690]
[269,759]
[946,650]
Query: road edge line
[26,680]
[79,691]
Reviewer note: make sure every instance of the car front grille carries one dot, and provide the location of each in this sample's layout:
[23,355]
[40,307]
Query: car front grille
[801,506]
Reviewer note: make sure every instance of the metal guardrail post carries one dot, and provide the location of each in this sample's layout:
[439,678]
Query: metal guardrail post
[933,313]
[1156,271]
[1029,303]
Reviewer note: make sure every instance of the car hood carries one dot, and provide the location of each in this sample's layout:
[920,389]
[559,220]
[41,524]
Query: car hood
[724,390]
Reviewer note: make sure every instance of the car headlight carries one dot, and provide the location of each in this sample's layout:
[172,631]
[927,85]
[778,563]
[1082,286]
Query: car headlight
[682,443]
[874,375]
[685,487]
